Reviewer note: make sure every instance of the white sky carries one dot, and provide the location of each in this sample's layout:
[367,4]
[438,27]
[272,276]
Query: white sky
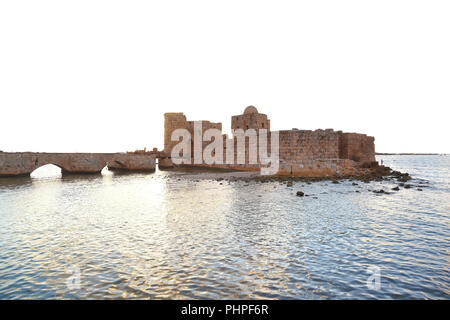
[98,76]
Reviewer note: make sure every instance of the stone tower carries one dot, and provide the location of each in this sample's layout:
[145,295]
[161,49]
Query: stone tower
[177,120]
[172,121]
[251,119]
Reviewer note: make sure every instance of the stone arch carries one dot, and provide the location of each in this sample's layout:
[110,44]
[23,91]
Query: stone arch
[42,160]
[39,167]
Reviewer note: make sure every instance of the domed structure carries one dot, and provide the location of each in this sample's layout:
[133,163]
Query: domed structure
[250,109]
[251,119]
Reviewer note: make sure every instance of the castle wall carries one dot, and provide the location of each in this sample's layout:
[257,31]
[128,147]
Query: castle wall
[205,125]
[309,153]
[300,145]
[302,152]
[357,147]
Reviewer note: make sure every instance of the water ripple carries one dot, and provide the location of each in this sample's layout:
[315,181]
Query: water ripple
[166,236]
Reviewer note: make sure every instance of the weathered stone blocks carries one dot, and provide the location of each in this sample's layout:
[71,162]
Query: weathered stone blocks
[301,152]
[23,163]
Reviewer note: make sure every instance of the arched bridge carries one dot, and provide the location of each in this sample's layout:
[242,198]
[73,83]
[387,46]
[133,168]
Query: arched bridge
[23,163]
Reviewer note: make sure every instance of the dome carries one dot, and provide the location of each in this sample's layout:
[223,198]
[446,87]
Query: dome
[250,109]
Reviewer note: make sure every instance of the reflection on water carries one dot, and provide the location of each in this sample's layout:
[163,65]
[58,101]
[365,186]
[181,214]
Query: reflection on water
[161,235]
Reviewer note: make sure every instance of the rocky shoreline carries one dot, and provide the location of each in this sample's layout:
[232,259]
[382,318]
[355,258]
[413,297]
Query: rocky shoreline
[365,174]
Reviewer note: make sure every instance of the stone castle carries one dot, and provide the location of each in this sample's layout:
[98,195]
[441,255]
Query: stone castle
[304,153]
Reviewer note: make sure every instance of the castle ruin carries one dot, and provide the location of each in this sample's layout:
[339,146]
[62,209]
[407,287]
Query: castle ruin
[303,153]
